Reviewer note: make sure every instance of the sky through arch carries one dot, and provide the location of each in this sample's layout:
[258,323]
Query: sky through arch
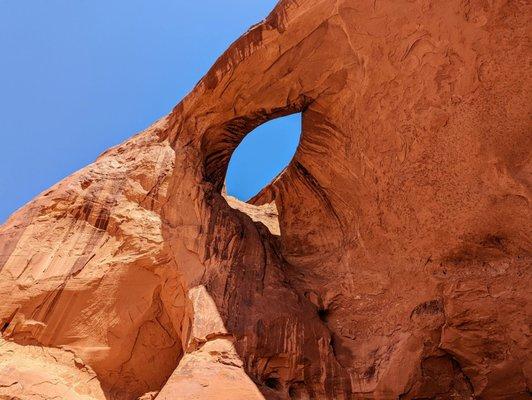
[262,155]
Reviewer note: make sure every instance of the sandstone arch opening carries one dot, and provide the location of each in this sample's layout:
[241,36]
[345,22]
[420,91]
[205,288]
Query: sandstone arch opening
[219,141]
[262,155]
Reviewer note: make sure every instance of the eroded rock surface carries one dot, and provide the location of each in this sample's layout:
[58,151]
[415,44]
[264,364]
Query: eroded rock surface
[400,265]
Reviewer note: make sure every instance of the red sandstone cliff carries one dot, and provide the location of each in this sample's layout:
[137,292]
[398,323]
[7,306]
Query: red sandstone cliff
[402,268]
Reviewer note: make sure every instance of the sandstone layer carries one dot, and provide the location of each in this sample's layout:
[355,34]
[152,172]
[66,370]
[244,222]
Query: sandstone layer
[390,260]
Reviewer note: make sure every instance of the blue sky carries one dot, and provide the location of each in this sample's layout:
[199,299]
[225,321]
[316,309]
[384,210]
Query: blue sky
[262,155]
[77,77]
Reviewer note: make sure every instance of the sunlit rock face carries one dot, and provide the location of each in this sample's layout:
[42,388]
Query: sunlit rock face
[390,260]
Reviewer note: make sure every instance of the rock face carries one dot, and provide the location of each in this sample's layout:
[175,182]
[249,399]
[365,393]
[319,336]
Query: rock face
[399,266]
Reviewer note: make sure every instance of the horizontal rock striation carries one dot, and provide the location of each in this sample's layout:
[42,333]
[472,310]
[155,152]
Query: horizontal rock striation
[390,260]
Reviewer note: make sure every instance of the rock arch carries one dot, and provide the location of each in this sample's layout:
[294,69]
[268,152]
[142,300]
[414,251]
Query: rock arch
[401,217]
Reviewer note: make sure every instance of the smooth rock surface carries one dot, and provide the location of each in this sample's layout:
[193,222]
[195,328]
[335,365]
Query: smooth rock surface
[399,266]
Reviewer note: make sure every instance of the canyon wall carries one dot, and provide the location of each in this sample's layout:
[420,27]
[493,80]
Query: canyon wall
[390,260]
